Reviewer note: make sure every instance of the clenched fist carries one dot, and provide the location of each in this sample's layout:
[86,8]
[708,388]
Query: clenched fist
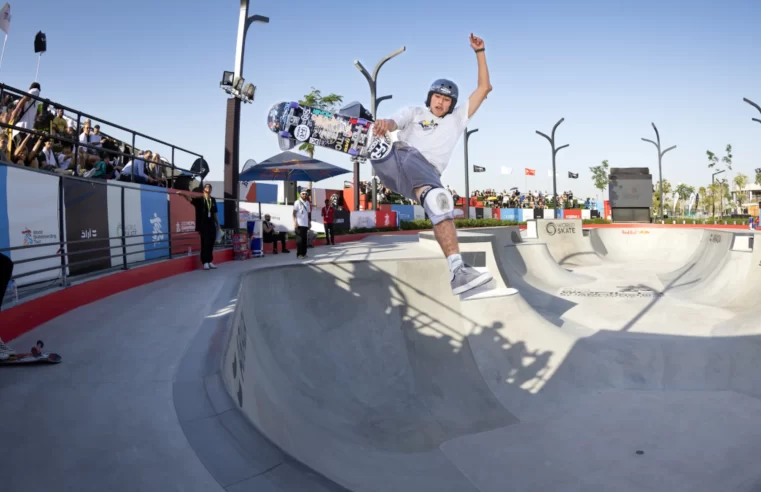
[475,42]
[381,127]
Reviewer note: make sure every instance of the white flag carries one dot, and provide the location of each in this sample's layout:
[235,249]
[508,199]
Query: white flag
[549,173]
[507,170]
[5,18]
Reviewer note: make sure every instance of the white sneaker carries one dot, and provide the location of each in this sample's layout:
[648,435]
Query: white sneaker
[5,351]
[206,266]
[212,265]
[466,278]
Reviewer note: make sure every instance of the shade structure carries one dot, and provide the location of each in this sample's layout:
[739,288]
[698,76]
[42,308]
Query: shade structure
[290,166]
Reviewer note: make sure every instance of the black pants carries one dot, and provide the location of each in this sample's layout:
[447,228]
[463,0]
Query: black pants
[274,238]
[6,272]
[301,242]
[330,234]
[208,238]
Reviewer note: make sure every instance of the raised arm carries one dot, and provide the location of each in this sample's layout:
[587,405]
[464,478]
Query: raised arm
[484,85]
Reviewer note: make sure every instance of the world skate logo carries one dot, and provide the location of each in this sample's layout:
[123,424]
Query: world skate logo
[28,239]
[32,237]
[158,233]
[428,125]
[553,228]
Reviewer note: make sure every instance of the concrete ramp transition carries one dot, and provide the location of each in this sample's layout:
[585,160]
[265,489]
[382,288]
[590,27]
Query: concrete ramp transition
[374,375]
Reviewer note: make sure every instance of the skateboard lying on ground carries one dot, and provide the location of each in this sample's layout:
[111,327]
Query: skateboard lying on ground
[295,123]
[34,357]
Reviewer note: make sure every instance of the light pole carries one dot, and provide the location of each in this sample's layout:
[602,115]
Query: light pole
[232,125]
[554,153]
[713,198]
[467,173]
[755,106]
[372,80]
[660,169]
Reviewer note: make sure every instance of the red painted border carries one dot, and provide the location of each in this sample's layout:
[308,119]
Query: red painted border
[27,316]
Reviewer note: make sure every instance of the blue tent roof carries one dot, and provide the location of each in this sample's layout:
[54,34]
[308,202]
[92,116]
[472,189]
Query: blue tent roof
[290,166]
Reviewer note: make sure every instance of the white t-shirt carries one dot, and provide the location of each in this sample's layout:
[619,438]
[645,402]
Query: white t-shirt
[303,210]
[432,136]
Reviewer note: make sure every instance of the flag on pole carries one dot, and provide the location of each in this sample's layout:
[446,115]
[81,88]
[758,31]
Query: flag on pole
[507,170]
[573,175]
[530,172]
[5,18]
[478,169]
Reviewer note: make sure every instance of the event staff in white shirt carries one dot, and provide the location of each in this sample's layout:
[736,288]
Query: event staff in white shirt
[302,222]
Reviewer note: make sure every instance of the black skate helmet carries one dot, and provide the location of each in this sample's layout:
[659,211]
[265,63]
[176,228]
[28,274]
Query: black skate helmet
[445,87]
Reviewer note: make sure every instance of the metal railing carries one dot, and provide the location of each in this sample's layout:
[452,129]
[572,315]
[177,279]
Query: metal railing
[6,90]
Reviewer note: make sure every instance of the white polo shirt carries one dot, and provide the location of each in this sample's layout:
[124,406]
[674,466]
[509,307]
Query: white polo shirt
[303,211]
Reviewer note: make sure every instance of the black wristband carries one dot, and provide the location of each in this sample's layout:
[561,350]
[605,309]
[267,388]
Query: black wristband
[480,49]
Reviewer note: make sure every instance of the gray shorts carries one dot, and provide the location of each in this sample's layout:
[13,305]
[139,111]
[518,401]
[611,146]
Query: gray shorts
[404,169]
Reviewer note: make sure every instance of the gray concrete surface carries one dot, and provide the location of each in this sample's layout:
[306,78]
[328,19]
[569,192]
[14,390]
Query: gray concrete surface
[358,370]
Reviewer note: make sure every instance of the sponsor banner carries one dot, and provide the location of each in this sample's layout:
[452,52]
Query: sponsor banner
[362,220]
[586,214]
[221,212]
[595,214]
[133,218]
[419,212]
[155,219]
[479,213]
[513,214]
[86,212]
[572,213]
[385,219]
[496,214]
[549,213]
[182,225]
[538,213]
[526,214]
[31,217]
[608,211]
[406,213]
[560,228]
[265,193]
[487,213]
[599,205]
[342,220]
[281,216]
[459,213]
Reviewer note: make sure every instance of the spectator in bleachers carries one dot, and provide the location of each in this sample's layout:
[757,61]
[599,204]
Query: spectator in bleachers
[59,124]
[26,152]
[25,113]
[136,168]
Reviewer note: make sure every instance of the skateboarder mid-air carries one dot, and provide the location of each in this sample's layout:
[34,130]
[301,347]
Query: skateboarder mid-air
[425,142]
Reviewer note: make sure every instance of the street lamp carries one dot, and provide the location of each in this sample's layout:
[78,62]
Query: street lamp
[234,86]
[467,172]
[660,169]
[554,153]
[372,80]
[713,199]
[755,106]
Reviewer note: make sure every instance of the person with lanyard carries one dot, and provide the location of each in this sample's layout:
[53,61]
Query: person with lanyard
[327,218]
[207,224]
[302,222]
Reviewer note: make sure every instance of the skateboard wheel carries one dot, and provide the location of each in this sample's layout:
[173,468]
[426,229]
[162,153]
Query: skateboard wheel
[285,134]
[293,105]
[362,121]
[353,152]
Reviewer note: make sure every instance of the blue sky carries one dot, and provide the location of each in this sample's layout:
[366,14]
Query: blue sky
[608,69]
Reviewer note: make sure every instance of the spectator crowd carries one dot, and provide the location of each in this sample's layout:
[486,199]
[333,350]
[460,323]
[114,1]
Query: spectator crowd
[65,146]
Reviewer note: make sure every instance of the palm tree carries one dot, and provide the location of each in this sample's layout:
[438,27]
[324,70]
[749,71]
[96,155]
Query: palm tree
[741,181]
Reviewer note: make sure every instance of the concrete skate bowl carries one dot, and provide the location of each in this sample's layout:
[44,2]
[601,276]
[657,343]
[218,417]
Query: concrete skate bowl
[372,374]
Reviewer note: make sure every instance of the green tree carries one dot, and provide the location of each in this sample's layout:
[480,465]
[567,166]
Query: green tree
[758,178]
[703,197]
[315,99]
[741,181]
[600,176]
[684,191]
[657,196]
[727,159]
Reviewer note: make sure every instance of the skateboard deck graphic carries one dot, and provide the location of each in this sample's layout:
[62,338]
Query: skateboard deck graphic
[294,124]
[33,357]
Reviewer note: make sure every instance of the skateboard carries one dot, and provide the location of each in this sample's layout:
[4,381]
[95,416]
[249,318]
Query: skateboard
[294,123]
[34,357]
